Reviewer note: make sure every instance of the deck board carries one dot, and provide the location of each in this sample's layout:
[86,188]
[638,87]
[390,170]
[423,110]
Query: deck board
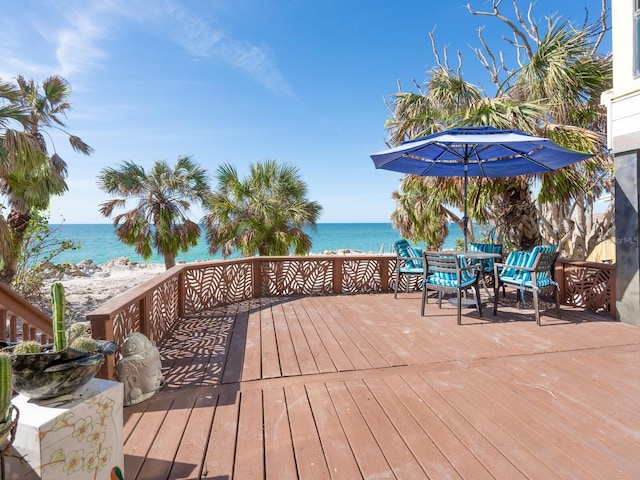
[278,444]
[367,451]
[252,367]
[399,457]
[426,453]
[306,364]
[190,455]
[221,447]
[161,455]
[310,459]
[337,450]
[362,386]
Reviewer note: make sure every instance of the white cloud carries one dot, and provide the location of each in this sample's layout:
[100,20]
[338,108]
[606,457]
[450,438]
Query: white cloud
[200,38]
[77,33]
[259,64]
[77,48]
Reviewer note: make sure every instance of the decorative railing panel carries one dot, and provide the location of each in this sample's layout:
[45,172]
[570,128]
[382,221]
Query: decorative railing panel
[212,284]
[587,284]
[154,307]
[164,309]
[302,276]
[126,321]
[360,276]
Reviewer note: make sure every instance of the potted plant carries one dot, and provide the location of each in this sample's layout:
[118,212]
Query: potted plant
[47,371]
[8,413]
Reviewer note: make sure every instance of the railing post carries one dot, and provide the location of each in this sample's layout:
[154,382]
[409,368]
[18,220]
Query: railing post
[145,322]
[3,324]
[102,329]
[612,282]
[182,293]
[256,277]
[559,275]
[384,274]
[337,275]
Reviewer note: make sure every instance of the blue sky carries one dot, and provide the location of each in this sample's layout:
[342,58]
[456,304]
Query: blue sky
[298,81]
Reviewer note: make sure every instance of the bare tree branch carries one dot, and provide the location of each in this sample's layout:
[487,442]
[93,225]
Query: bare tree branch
[516,31]
[603,29]
[531,29]
[493,68]
[444,65]
[435,50]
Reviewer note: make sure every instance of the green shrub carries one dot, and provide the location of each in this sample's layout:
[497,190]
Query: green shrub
[41,246]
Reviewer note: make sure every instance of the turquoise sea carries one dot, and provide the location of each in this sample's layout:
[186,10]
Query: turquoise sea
[99,243]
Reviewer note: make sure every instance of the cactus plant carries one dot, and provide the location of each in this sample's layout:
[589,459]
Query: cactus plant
[57,308]
[85,344]
[6,388]
[27,347]
[56,370]
[77,330]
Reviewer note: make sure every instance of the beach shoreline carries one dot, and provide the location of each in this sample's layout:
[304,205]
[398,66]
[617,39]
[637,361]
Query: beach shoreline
[88,285]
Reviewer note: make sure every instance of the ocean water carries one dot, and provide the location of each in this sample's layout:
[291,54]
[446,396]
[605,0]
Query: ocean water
[99,243]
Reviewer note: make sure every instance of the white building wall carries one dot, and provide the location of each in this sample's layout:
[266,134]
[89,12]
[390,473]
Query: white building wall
[625,80]
[623,112]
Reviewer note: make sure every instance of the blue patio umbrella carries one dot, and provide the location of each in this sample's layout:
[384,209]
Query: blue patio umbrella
[476,152]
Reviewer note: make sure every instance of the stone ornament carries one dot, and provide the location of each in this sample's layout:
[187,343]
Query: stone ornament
[139,368]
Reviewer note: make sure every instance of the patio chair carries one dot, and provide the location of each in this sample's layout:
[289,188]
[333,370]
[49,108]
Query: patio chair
[531,271]
[408,263]
[487,264]
[449,273]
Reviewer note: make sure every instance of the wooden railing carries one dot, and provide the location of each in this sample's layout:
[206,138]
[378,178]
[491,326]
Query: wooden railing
[587,284]
[20,320]
[154,307]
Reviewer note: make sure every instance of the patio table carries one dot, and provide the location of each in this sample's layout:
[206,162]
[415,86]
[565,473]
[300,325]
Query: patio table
[472,255]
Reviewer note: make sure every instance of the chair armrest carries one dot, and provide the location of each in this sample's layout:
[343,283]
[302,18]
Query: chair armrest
[404,260]
[472,267]
[515,267]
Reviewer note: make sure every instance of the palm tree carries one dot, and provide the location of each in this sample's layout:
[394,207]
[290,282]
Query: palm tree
[264,213]
[571,78]
[164,196]
[555,93]
[29,175]
[450,101]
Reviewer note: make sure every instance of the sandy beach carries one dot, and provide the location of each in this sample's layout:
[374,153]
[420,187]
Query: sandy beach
[87,285]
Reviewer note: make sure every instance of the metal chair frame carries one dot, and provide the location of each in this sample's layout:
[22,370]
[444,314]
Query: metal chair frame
[527,279]
[450,269]
[403,267]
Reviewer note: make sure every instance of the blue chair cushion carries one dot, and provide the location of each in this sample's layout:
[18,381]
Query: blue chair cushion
[510,271]
[414,256]
[447,280]
[512,275]
[489,248]
[450,279]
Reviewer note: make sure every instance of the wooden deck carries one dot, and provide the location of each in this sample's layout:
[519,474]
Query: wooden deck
[362,386]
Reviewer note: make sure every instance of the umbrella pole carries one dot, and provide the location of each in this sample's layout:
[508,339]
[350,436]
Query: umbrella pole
[465,219]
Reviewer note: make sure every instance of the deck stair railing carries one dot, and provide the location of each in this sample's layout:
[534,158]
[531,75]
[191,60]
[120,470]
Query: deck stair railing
[154,307]
[21,320]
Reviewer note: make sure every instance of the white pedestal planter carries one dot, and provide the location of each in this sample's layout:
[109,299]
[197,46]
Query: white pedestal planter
[77,439]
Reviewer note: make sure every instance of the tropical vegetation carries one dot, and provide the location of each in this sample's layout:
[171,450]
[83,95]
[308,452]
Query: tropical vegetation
[553,91]
[264,213]
[30,175]
[160,218]
[42,244]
